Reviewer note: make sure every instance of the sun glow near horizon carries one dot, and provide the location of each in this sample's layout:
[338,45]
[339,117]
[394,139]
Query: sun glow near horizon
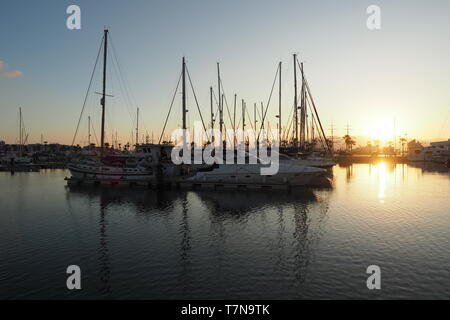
[380,129]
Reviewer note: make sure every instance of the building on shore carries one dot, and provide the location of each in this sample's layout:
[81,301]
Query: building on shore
[438,151]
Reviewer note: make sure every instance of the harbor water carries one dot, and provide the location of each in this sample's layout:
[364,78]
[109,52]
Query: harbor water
[180,244]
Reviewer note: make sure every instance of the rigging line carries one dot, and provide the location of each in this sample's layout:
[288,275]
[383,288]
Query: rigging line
[290,123]
[251,124]
[226,102]
[122,84]
[125,79]
[314,105]
[322,141]
[131,102]
[196,102]
[268,102]
[95,135]
[287,131]
[217,105]
[126,101]
[238,125]
[87,92]
[170,109]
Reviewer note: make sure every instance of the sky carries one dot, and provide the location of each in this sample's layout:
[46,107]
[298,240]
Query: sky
[368,79]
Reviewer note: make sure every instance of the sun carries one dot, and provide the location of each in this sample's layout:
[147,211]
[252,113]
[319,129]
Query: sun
[380,130]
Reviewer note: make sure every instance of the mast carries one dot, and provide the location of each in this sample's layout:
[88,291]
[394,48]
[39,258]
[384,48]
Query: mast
[21,132]
[302,111]
[184,100]
[220,100]
[243,115]
[262,114]
[315,113]
[103,101]
[137,127]
[234,121]
[89,131]
[184,93]
[212,113]
[262,122]
[295,102]
[279,105]
[212,107]
[254,120]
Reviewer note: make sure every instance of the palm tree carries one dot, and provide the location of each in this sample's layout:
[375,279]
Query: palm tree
[403,143]
[349,142]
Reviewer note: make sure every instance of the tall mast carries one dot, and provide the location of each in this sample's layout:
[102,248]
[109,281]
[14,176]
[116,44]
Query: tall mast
[212,107]
[21,132]
[89,131]
[212,113]
[103,102]
[234,113]
[254,120]
[184,100]
[279,105]
[295,103]
[184,93]
[302,111]
[221,109]
[262,115]
[234,121]
[220,100]
[243,115]
[137,127]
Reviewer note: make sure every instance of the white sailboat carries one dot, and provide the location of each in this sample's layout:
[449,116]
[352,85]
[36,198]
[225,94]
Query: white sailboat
[18,158]
[289,174]
[109,166]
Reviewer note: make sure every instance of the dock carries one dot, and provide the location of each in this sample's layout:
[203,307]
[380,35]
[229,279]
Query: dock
[176,183]
[20,168]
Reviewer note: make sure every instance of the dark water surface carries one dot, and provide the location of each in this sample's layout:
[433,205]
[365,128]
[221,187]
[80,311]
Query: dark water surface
[144,244]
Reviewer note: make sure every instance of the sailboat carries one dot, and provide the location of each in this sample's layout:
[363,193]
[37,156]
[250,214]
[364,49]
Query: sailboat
[18,158]
[303,145]
[109,166]
[290,174]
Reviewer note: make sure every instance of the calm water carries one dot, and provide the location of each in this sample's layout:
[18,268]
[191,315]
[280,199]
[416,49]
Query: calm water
[144,244]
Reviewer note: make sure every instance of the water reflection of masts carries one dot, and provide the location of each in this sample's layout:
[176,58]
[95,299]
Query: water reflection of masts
[308,230]
[104,269]
[185,243]
[301,257]
[281,259]
[306,223]
[349,172]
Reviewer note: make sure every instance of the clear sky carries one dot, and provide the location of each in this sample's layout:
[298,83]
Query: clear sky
[363,77]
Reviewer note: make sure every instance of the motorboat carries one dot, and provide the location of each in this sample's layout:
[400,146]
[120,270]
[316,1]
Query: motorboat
[289,173]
